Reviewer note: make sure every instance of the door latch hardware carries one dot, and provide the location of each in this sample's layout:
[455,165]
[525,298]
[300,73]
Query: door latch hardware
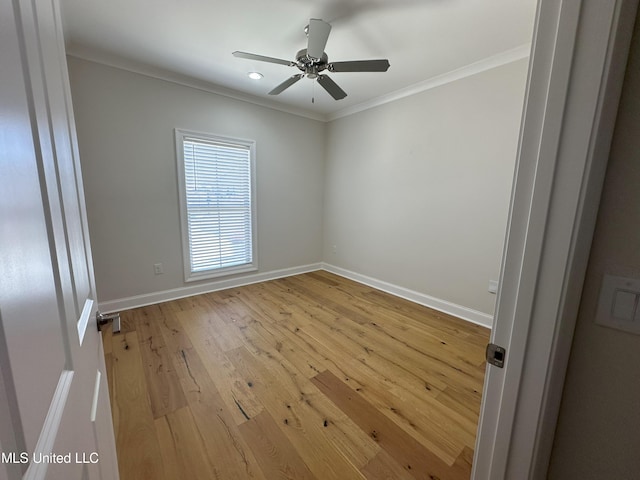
[496,355]
[104,318]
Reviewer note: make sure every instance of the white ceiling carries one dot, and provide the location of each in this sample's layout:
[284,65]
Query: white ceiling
[192,40]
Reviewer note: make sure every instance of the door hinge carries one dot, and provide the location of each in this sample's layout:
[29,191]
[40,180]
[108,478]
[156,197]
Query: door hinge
[496,355]
[104,318]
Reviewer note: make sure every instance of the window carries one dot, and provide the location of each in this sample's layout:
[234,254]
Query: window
[216,180]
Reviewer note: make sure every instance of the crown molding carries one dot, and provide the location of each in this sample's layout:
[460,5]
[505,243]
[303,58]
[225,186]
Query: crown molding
[120,63]
[113,61]
[483,65]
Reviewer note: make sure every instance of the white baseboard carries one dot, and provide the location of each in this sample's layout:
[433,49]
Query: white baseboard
[128,303]
[468,314]
[473,316]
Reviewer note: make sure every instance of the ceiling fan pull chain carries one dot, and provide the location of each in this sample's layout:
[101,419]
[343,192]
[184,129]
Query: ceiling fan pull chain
[313,90]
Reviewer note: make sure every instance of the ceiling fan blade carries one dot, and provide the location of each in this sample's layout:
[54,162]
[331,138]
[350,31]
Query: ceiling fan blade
[262,58]
[360,66]
[318,35]
[286,84]
[332,87]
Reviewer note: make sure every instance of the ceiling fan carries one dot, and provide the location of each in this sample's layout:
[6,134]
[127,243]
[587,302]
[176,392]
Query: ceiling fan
[312,60]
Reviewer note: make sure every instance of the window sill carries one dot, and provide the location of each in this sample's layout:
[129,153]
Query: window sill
[218,273]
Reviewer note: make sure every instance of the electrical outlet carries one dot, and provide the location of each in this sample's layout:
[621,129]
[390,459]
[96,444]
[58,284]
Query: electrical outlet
[334,249]
[493,286]
[158,269]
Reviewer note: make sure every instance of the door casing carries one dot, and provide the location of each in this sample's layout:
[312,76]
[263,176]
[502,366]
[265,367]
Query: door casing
[575,79]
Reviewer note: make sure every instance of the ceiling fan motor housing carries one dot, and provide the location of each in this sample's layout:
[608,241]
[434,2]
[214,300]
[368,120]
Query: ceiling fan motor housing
[309,65]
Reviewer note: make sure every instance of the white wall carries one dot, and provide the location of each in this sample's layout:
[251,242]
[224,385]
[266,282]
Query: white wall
[417,191]
[598,431]
[414,193]
[125,125]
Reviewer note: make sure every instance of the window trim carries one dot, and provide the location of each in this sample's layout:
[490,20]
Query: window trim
[190,276]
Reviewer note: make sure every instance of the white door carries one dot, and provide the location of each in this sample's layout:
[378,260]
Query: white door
[577,68]
[55,417]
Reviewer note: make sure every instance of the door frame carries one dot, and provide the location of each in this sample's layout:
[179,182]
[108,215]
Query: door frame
[53,390]
[576,71]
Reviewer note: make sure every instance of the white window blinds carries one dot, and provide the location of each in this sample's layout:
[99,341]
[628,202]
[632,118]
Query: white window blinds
[217,194]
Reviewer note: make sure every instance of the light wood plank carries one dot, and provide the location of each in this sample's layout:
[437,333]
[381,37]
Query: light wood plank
[315,409]
[412,364]
[384,467]
[127,321]
[409,453]
[138,447]
[183,450]
[278,458]
[236,392]
[163,385]
[226,448]
[348,304]
[433,426]
[413,317]
[227,452]
[311,376]
[295,408]
[398,393]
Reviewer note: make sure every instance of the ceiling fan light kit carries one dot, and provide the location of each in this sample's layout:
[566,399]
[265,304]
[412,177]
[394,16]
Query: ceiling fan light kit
[313,60]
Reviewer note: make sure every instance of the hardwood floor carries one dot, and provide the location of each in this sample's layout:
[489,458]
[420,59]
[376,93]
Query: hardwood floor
[306,377]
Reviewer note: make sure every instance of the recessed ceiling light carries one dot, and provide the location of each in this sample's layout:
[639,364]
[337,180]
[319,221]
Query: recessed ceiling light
[255,75]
